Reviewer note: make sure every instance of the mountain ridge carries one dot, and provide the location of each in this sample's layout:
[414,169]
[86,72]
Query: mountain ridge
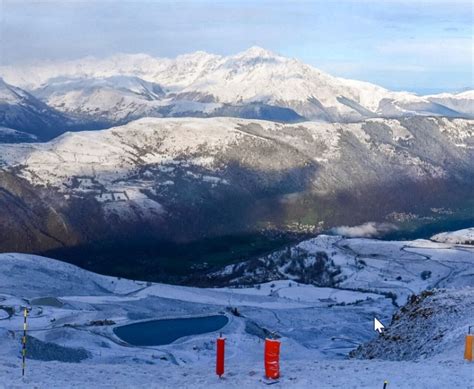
[203,84]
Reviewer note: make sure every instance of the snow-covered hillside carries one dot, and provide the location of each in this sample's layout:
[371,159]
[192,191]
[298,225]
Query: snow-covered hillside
[22,112]
[14,136]
[205,84]
[318,326]
[140,150]
[266,172]
[401,268]
[465,236]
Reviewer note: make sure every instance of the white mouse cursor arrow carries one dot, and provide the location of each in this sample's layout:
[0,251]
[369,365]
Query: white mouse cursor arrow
[378,326]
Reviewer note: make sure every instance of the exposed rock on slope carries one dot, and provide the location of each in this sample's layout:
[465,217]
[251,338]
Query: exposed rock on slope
[432,323]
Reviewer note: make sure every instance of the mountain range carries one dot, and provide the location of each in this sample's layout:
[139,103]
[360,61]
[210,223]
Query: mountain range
[256,84]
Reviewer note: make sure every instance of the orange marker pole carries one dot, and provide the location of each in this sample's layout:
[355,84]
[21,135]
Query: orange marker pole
[220,351]
[468,349]
[272,358]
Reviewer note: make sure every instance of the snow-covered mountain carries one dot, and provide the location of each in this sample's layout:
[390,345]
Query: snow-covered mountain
[110,100]
[202,84]
[22,112]
[192,178]
[461,102]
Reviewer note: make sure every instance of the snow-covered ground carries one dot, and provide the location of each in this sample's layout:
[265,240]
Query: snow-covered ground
[244,374]
[318,326]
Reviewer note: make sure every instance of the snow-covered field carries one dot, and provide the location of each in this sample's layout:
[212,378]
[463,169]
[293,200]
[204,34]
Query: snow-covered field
[318,326]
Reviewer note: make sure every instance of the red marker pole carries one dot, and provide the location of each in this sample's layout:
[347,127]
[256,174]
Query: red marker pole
[272,359]
[220,351]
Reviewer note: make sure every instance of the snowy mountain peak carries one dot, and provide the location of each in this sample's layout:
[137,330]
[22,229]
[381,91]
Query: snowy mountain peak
[256,52]
[197,56]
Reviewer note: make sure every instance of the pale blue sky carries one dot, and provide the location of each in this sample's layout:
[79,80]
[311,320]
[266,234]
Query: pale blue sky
[417,45]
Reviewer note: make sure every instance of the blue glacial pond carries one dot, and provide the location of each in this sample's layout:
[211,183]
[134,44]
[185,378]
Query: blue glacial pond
[160,332]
